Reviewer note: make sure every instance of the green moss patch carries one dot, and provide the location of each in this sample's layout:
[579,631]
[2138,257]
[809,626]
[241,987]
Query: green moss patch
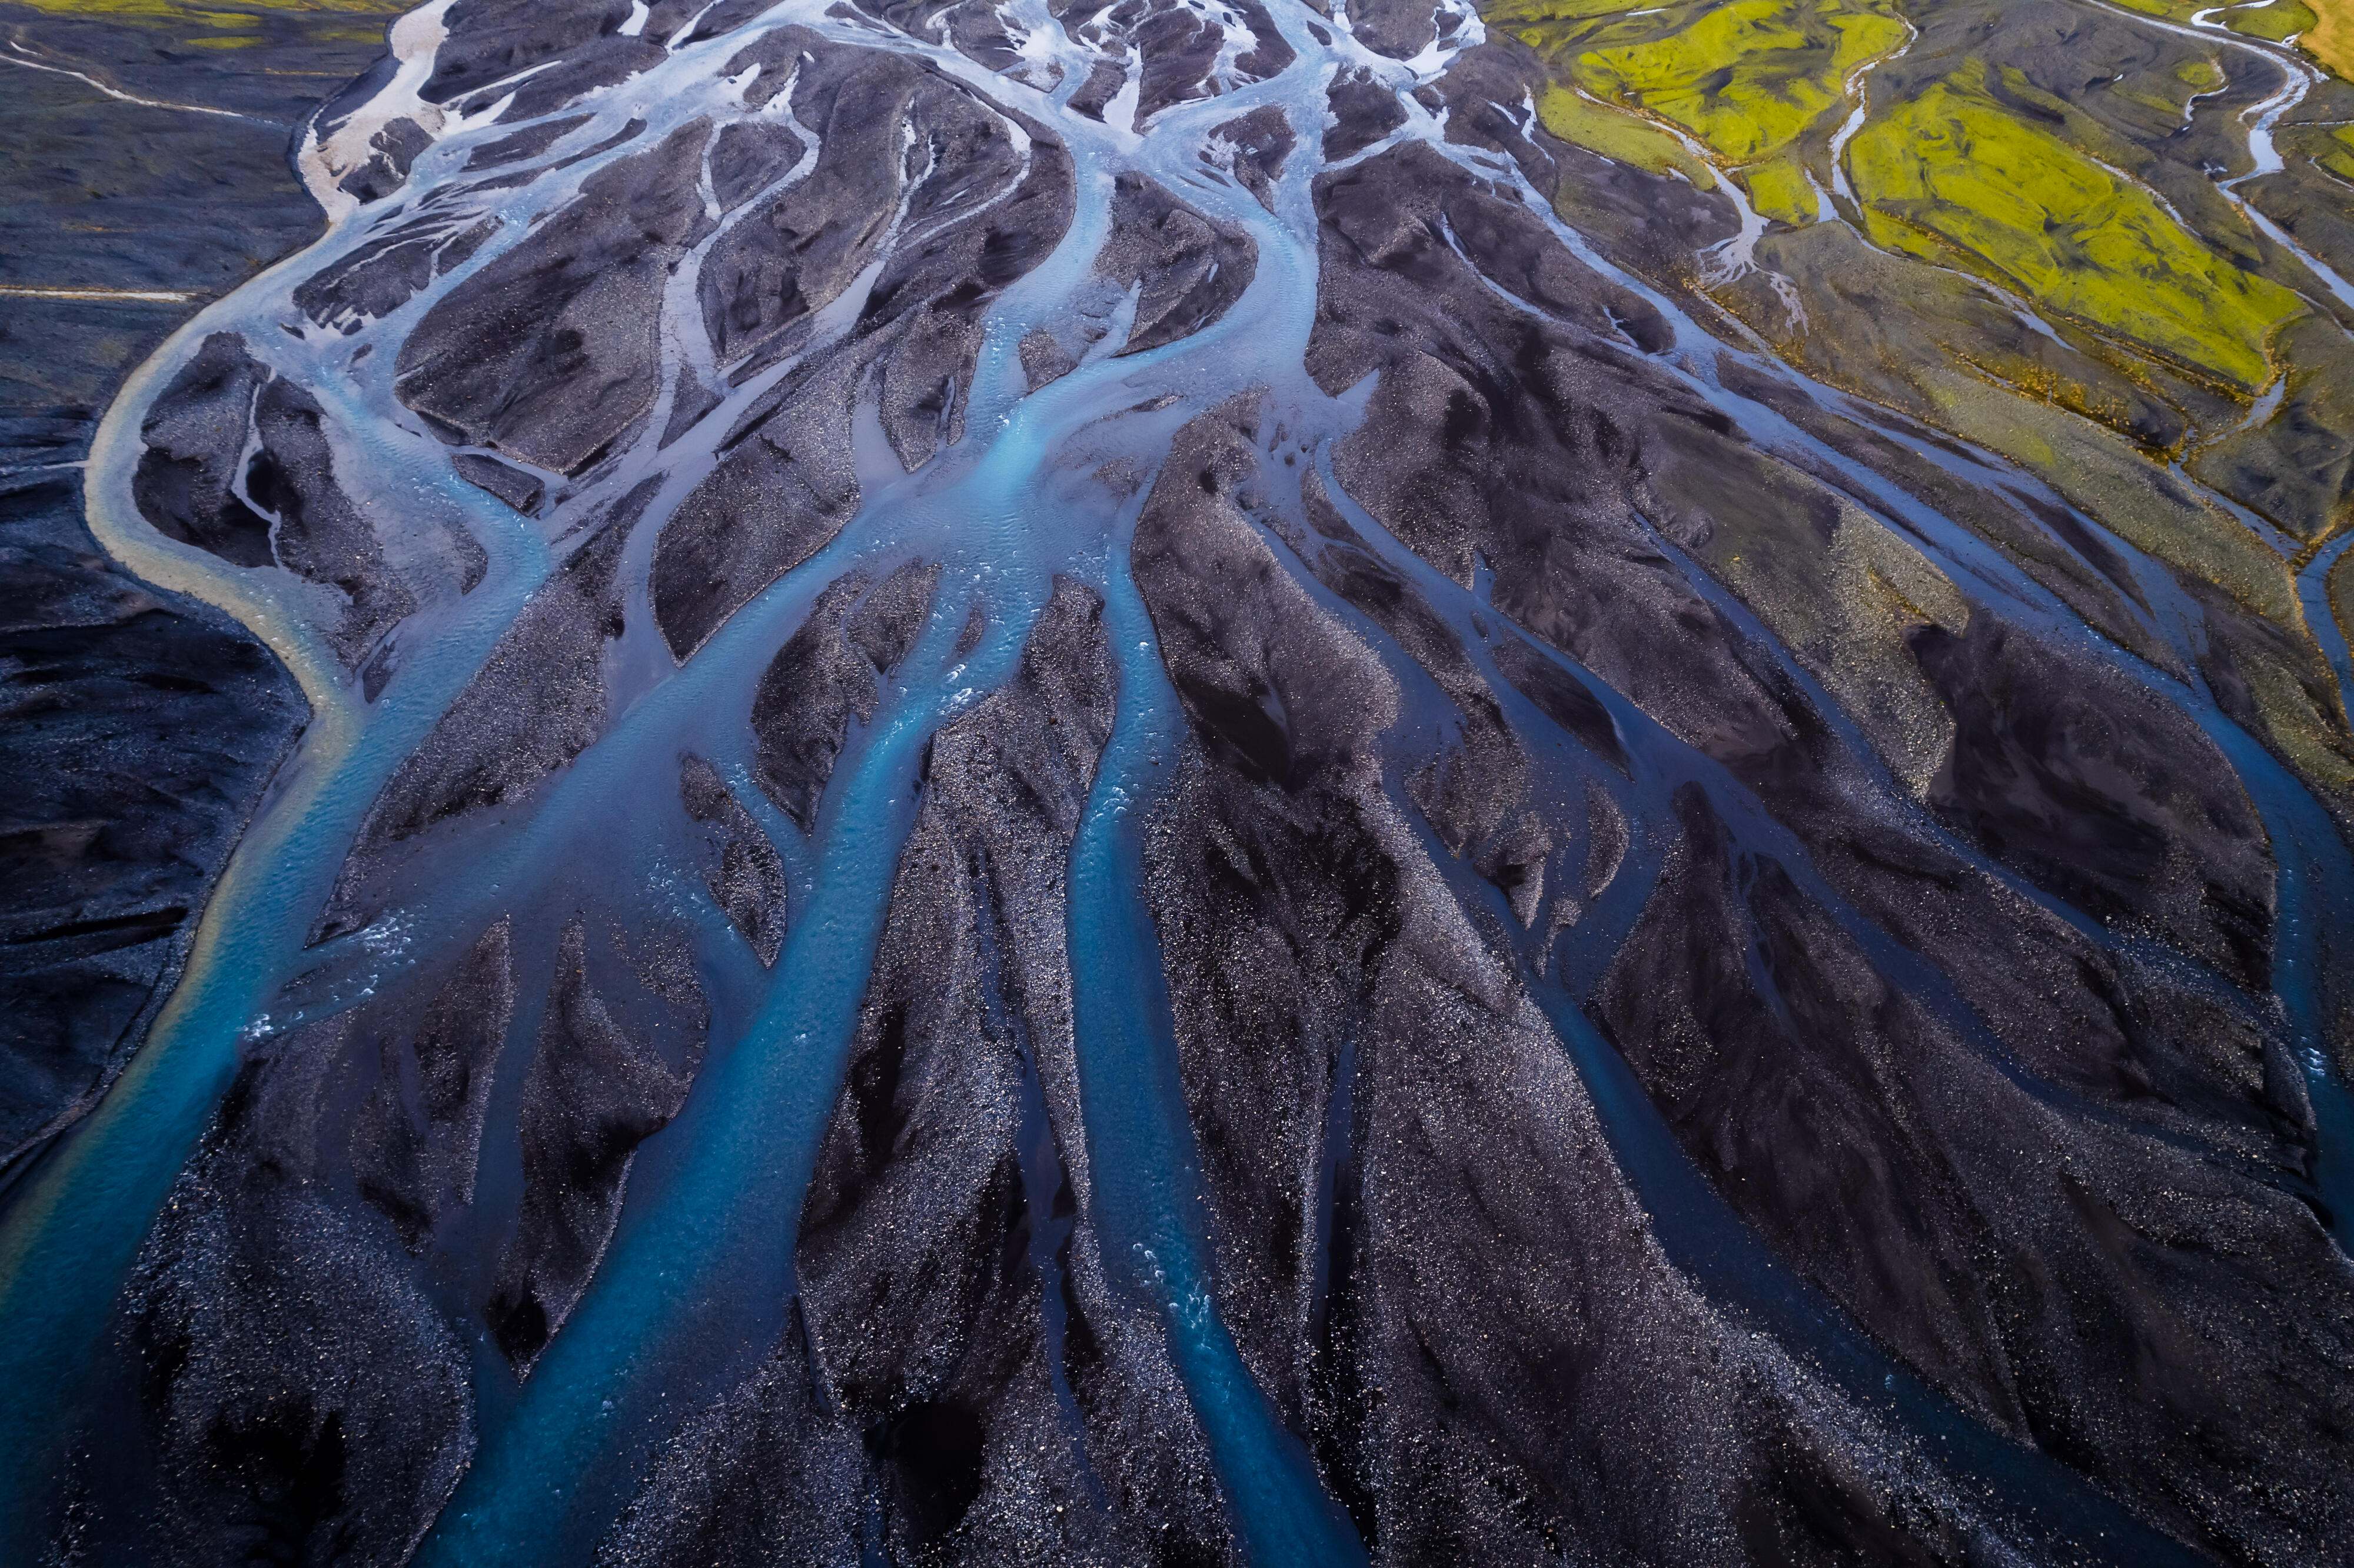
[1778,190]
[1599,128]
[1748,77]
[1949,176]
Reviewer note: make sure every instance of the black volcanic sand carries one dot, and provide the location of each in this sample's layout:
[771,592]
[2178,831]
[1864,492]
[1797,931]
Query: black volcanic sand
[140,728]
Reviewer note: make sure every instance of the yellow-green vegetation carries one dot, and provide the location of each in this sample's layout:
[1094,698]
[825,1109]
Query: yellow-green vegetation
[2338,156]
[2281,19]
[2200,74]
[2324,28]
[1556,30]
[1748,77]
[1581,122]
[2100,473]
[1778,189]
[2184,10]
[2095,470]
[2331,41]
[1877,321]
[1743,80]
[2169,94]
[1550,26]
[1548,18]
[211,12]
[1982,177]
[1949,176]
[214,23]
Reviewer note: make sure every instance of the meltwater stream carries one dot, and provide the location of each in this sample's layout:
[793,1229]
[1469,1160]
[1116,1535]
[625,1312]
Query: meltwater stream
[1002,521]
[1003,514]
[695,1282]
[71,1236]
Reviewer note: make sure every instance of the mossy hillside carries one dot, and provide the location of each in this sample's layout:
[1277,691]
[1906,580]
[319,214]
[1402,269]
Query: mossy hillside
[2324,29]
[2275,23]
[2108,478]
[2296,467]
[1967,168]
[1744,82]
[2133,152]
[1875,321]
[1556,30]
[2249,16]
[1778,189]
[1582,121]
[1950,177]
[1746,78]
[2293,707]
[2338,155]
[2166,90]
[217,13]
[1560,30]
[2331,41]
[222,24]
[1550,25]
